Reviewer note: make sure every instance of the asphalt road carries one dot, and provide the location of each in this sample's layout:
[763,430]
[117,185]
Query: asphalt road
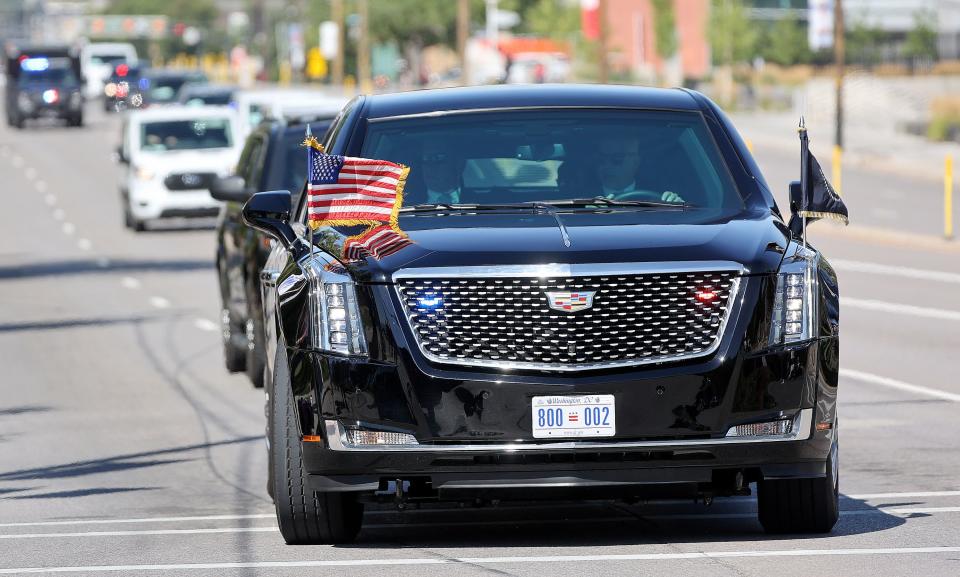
[126,447]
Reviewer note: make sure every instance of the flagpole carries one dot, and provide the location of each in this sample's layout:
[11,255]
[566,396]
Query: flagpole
[804,181]
[307,135]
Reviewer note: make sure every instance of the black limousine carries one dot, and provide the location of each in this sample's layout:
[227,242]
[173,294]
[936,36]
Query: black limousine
[595,295]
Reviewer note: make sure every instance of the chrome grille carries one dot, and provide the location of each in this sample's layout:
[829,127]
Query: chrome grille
[507,321]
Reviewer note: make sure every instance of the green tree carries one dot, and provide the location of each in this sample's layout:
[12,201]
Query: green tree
[863,42]
[196,12]
[664,28]
[921,41]
[733,36]
[786,43]
[559,20]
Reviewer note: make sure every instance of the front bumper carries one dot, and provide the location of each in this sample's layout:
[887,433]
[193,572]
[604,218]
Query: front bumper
[526,469]
[150,200]
[792,382]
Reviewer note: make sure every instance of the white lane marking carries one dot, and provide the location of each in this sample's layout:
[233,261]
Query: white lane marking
[160,302]
[141,520]
[895,384]
[867,496]
[59,214]
[271,528]
[129,282]
[514,522]
[886,307]
[206,325]
[30,172]
[50,199]
[695,555]
[84,244]
[16,160]
[68,228]
[901,271]
[41,186]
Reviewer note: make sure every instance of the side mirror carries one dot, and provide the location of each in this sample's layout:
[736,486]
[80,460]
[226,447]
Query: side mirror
[230,189]
[796,199]
[269,212]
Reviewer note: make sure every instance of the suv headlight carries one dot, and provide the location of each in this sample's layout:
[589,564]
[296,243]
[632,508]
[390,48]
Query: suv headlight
[144,173]
[335,316]
[795,303]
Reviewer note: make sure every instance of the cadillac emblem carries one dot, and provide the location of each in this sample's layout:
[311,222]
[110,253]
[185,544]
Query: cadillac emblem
[570,302]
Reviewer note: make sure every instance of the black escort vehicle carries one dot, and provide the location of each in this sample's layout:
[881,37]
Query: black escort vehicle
[596,297]
[43,82]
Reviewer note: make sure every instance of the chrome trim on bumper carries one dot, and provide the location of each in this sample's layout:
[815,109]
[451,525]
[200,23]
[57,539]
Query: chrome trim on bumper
[801,431]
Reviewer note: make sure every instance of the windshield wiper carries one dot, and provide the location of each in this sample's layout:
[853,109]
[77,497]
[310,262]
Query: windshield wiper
[614,202]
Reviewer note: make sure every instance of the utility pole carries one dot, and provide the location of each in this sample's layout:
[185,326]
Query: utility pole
[363,48]
[463,30]
[840,56]
[604,64]
[336,14]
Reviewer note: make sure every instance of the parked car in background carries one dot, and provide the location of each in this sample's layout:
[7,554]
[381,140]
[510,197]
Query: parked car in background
[272,159]
[590,293]
[131,87]
[98,61]
[193,94]
[170,158]
[43,82]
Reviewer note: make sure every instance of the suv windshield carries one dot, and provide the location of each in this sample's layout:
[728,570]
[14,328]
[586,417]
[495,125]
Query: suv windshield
[163,89]
[166,135]
[507,157]
[51,76]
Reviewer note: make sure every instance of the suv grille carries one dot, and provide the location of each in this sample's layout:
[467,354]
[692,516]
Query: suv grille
[634,319]
[189,180]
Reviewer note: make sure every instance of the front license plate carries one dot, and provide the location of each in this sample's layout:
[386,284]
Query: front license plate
[580,416]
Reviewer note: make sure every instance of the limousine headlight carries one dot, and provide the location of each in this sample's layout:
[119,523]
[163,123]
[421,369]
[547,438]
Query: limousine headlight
[795,303]
[336,325]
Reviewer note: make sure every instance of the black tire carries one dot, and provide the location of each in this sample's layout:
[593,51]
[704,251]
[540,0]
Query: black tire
[75,121]
[234,342]
[17,123]
[256,360]
[129,221]
[305,517]
[801,505]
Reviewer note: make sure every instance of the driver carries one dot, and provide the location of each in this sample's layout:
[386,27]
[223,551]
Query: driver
[442,170]
[618,160]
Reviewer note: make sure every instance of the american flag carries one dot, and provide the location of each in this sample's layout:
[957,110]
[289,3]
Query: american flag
[378,242]
[349,191]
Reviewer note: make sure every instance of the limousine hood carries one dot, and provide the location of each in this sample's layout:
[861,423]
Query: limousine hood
[529,238]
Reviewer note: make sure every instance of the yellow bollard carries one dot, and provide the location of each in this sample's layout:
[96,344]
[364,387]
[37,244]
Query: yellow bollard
[837,170]
[948,196]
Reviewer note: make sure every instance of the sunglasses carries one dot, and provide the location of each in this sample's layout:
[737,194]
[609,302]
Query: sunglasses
[614,159]
[436,158]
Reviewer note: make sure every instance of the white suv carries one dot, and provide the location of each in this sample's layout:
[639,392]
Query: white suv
[170,157]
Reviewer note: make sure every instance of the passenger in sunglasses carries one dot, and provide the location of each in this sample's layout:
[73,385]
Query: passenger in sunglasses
[617,162]
[442,171]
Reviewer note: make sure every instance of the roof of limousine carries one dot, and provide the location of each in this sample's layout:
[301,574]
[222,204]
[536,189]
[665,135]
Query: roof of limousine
[527,95]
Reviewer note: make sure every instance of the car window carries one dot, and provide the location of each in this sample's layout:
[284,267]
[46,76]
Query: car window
[557,154]
[57,72]
[249,158]
[167,135]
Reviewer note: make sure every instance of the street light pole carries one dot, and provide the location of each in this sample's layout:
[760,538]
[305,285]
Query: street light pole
[363,48]
[840,62]
[336,14]
[603,61]
[839,49]
[463,30]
